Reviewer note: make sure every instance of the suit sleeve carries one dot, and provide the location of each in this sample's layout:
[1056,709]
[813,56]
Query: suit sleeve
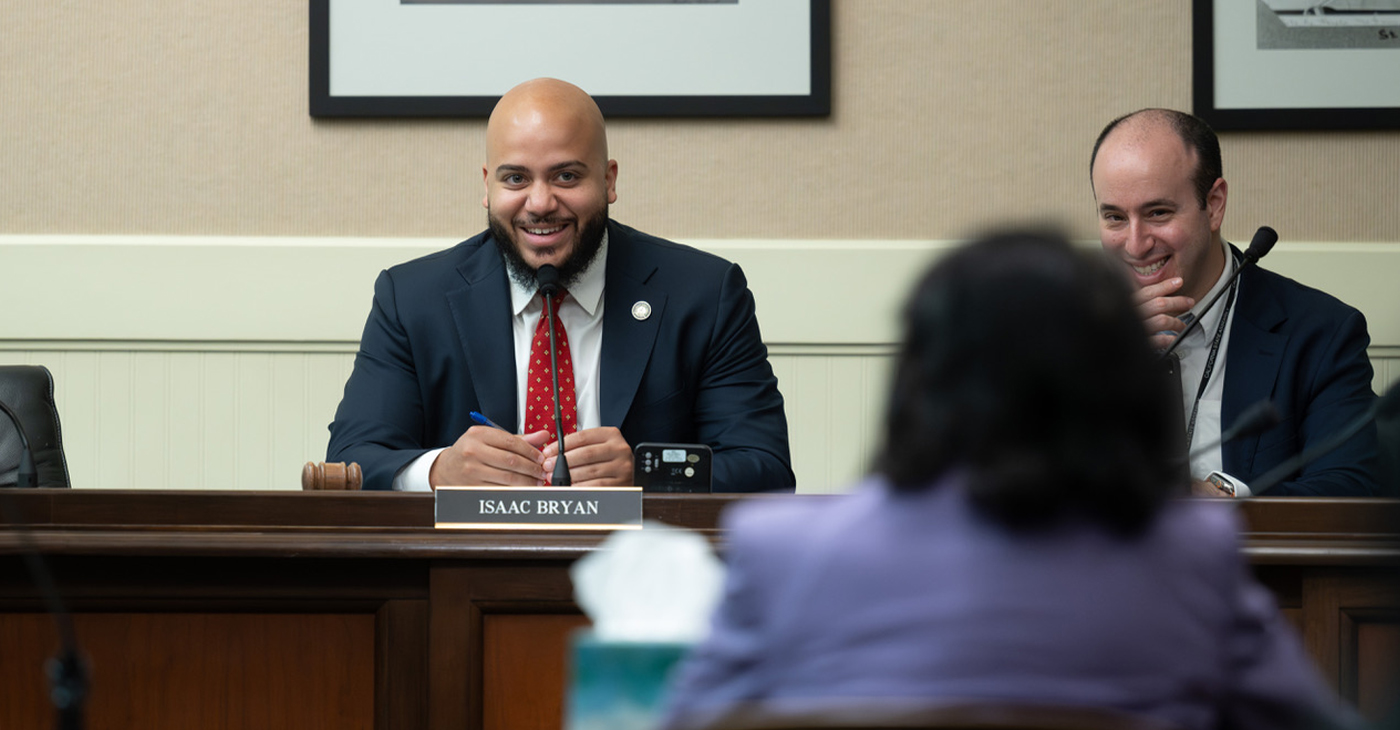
[738,409]
[379,423]
[1338,392]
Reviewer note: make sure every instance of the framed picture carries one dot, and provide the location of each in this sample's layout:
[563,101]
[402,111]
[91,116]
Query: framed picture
[1297,64]
[642,58]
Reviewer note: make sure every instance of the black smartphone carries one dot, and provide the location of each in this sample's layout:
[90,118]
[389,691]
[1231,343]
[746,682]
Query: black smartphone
[672,467]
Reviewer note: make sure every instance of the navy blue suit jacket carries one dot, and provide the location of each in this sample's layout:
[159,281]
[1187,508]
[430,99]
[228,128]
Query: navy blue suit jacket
[1306,351]
[438,345]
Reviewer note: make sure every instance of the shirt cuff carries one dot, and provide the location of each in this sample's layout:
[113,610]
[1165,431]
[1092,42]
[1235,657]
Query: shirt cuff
[414,477]
[1230,483]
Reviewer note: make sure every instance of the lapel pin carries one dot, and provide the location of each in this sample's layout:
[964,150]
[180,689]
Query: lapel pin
[640,311]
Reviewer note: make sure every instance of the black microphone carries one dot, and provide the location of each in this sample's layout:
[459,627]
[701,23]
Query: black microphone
[548,278]
[26,476]
[1256,419]
[1386,406]
[1263,241]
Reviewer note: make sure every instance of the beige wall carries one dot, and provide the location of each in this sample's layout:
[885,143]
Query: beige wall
[165,117]
[192,254]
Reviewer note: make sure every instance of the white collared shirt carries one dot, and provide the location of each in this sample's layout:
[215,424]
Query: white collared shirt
[1193,352]
[582,315]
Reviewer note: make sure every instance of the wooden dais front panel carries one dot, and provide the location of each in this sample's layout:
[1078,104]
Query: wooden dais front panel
[175,671]
[348,610]
[525,658]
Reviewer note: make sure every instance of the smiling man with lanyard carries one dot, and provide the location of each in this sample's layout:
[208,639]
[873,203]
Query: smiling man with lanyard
[1161,196]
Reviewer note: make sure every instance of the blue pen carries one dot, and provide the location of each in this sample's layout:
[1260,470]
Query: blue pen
[483,420]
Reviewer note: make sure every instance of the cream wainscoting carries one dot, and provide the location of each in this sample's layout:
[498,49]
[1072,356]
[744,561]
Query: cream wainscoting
[216,363]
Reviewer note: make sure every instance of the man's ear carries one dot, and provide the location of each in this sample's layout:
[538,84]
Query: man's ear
[1215,204]
[611,177]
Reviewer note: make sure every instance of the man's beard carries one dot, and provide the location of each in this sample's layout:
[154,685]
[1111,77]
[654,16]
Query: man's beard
[590,240]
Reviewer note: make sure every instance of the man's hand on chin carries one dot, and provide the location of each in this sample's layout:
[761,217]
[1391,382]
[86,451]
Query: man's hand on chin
[489,456]
[1159,310]
[598,457]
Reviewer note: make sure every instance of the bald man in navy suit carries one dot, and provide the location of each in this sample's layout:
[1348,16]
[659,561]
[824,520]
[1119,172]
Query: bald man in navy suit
[664,339]
[1161,195]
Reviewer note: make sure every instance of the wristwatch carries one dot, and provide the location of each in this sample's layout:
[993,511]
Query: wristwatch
[1222,482]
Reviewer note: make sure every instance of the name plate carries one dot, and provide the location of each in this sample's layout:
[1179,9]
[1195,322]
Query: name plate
[538,508]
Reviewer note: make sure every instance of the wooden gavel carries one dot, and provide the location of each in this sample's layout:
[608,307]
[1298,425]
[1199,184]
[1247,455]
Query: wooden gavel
[331,475]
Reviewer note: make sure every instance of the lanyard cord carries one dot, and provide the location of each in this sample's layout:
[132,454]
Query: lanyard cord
[1210,360]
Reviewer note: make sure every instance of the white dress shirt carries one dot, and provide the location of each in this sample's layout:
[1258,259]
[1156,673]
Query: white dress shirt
[582,315]
[1193,352]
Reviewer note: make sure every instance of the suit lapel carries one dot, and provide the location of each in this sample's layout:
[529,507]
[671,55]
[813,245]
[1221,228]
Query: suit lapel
[627,341]
[1255,355]
[481,312]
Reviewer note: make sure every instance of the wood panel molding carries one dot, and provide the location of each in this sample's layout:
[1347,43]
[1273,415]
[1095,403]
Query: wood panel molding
[1337,607]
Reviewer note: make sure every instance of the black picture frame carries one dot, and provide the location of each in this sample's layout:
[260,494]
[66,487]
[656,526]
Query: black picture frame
[815,103]
[1226,117]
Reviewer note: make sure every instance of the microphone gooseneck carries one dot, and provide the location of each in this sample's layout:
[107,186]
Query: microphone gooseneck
[1387,405]
[1259,246]
[1256,419]
[548,278]
[67,672]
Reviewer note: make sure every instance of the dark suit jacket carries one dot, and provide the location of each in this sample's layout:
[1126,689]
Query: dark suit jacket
[438,345]
[1306,351]
[874,597]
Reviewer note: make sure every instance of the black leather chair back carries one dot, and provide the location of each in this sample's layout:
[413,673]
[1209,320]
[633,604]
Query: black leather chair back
[28,391]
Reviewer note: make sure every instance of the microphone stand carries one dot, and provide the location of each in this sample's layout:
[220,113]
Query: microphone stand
[67,673]
[1256,419]
[1386,405]
[548,275]
[1264,240]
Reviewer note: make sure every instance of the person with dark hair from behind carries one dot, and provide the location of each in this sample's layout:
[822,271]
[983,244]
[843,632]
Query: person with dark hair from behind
[1021,541]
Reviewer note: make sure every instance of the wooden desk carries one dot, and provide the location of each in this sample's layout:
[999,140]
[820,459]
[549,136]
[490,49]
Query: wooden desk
[348,610]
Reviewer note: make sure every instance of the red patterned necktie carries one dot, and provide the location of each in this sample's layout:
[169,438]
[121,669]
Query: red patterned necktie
[539,389]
